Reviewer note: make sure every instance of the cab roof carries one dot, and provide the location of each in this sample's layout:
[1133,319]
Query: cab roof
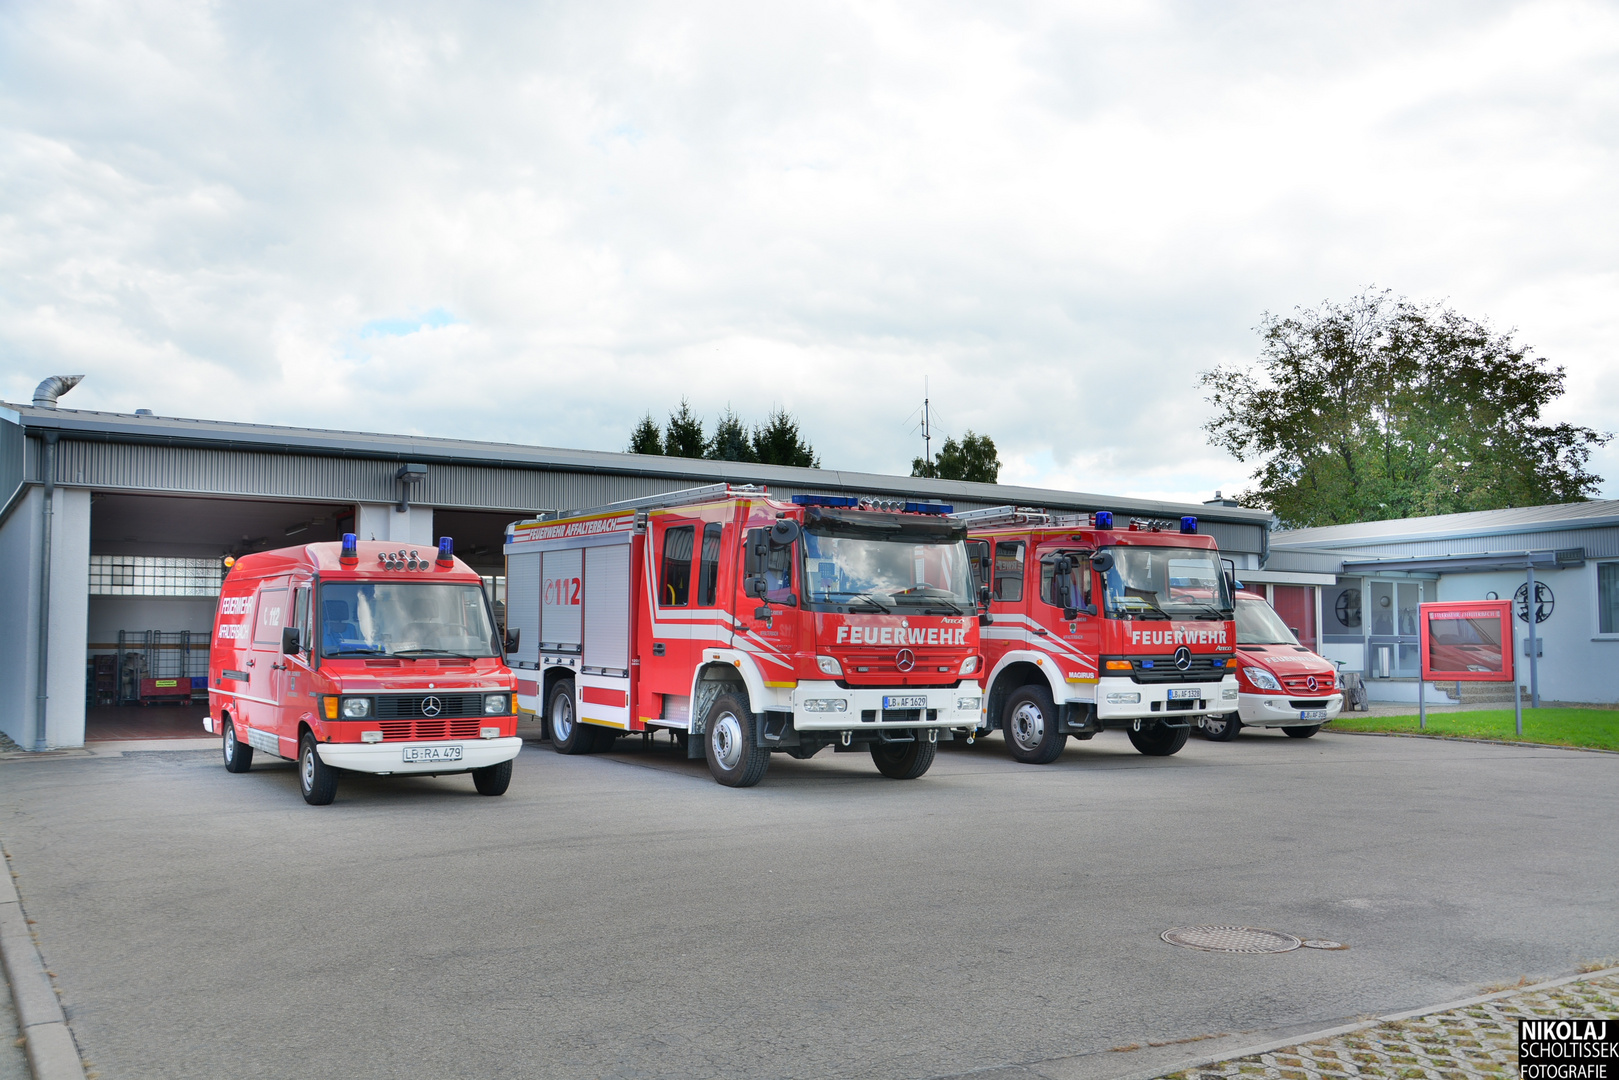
[325,558]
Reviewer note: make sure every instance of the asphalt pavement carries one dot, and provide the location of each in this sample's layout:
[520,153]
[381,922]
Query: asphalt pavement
[622,915]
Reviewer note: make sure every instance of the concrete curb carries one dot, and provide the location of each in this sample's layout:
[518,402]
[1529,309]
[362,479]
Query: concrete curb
[1473,739]
[1345,1029]
[52,1054]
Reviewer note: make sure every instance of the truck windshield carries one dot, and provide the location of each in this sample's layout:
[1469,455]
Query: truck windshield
[1258,624]
[1165,583]
[387,618]
[887,574]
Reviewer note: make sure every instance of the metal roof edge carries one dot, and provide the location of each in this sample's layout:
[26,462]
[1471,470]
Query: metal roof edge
[1279,540]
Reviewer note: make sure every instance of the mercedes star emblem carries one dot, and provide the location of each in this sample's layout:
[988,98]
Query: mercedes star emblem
[432,706]
[905,659]
[1183,658]
[1311,683]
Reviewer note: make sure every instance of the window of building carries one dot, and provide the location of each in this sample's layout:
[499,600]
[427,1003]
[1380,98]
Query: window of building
[151,575]
[674,587]
[1608,598]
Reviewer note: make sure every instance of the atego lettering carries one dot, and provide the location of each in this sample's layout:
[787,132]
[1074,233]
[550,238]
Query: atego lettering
[901,635]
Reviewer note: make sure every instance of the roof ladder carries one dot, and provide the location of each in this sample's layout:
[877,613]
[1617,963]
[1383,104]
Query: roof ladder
[683,497]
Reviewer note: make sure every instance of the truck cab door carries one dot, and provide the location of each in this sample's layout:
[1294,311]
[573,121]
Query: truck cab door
[769,630]
[1066,593]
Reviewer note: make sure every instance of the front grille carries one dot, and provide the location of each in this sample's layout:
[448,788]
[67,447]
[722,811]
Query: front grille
[1300,684]
[1307,705]
[1162,669]
[898,716]
[409,706]
[428,729]
[868,667]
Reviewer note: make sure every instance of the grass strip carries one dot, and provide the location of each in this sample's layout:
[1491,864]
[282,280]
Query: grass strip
[1597,729]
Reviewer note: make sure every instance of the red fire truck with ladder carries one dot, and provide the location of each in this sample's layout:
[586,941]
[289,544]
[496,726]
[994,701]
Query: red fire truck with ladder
[1089,627]
[747,626]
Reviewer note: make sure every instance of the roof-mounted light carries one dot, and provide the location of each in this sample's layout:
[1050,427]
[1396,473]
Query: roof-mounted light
[1102,519]
[929,508]
[350,555]
[446,552]
[1188,524]
[826,500]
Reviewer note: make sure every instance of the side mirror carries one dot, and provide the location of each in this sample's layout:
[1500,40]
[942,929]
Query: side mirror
[753,585]
[784,533]
[1070,613]
[289,640]
[983,596]
[513,636]
[1102,561]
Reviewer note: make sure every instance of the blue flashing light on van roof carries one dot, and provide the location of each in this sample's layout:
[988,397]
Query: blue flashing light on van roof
[1188,524]
[826,500]
[446,551]
[350,554]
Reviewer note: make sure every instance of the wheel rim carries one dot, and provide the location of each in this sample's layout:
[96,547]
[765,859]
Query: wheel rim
[1028,725]
[230,742]
[308,769]
[1216,727]
[562,719]
[727,739]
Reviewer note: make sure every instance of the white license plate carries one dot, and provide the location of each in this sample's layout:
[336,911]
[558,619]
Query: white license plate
[432,753]
[1313,714]
[1189,694]
[905,702]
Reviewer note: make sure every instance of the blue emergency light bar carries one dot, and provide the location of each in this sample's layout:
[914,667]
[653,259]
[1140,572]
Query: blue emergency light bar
[1188,524]
[826,500]
[1104,519]
[929,508]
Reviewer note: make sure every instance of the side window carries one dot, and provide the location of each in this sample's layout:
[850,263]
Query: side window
[272,617]
[674,584]
[1070,590]
[709,568]
[779,572]
[1008,585]
[978,557]
[300,617]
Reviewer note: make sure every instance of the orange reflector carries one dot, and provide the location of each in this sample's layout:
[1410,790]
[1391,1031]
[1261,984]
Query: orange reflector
[331,707]
[1118,665]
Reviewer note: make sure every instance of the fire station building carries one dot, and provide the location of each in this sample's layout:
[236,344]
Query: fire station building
[114,527]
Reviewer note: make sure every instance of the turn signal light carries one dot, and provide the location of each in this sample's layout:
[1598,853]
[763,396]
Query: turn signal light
[1118,665]
[329,704]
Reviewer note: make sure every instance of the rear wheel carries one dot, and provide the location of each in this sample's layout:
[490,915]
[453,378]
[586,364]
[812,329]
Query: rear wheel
[493,779]
[903,761]
[318,779]
[1302,732]
[734,757]
[568,735]
[1030,721]
[1157,740]
[238,758]
[1221,728]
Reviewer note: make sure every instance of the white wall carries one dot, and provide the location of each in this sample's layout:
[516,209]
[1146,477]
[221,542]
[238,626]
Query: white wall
[19,618]
[110,614]
[381,521]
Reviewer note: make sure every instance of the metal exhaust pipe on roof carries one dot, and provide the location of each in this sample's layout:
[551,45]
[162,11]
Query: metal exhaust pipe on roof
[46,393]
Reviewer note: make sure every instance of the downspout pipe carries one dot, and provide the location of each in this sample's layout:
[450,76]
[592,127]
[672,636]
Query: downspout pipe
[49,474]
[46,393]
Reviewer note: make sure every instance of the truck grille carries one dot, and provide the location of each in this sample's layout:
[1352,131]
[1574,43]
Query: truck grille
[870,667]
[409,706]
[1162,669]
[428,729]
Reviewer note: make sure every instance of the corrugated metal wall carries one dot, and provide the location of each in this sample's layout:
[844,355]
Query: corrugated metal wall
[13,453]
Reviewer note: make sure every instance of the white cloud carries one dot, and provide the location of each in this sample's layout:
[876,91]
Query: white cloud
[569,216]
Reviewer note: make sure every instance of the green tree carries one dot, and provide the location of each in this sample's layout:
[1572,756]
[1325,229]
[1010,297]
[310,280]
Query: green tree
[1383,408]
[730,441]
[646,439]
[683,436]
[777,442]
[973,458]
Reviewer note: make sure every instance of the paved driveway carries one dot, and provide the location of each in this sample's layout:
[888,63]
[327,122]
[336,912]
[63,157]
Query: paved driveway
[625,916]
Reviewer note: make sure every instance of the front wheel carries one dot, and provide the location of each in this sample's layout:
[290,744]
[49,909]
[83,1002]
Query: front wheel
[1158,740]
[1032,733]
[1221,728]
[1302,732]
[734,757]
[318,779]
[493,779]
[903,761]
[238,758]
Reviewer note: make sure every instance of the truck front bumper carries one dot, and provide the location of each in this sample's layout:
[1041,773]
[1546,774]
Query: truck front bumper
[1280,710]
[389,757]
[826,706]
[1124,699]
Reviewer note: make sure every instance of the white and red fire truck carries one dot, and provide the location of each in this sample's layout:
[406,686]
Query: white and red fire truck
[1091,627]
[747,626]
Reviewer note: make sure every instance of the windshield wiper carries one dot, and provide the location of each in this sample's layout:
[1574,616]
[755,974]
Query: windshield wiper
[950,609]
[1211,612]
[357,652]
[1148,612]
[434,652]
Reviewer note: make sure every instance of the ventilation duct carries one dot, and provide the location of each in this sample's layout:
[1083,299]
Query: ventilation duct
[46,393]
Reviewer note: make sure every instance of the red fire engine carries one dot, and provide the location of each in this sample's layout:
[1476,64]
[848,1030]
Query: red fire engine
[1091,627]
[747,625]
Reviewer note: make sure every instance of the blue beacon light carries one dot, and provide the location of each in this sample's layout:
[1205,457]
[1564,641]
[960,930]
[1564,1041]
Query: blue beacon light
[446,551]
[1104,519]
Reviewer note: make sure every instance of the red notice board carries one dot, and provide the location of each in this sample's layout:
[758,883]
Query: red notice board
[1467,640]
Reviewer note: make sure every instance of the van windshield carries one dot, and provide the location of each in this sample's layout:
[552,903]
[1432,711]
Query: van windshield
[389,618]
[1258,624]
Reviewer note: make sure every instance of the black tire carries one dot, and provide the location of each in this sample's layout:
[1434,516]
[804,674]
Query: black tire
[1030,726]
[1302,732]
[903,761]
[493,779]
[317,779]
[568,735]
[1157,740]
[730,744]
[238,758]
[1221,728]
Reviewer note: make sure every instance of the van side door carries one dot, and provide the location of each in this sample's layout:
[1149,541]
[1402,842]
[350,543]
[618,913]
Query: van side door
[271,613]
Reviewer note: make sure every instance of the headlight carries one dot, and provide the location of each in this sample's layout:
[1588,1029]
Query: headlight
[969,704]
[355,708]
[1124,699]
[1261,678]
[1228,692]
[496,704]
[829,665]
[969,665]
[826,704]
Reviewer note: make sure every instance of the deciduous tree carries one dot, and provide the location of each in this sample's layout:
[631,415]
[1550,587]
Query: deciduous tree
[973,458]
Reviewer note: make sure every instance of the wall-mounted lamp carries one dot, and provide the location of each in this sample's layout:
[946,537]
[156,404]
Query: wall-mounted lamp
[405,478]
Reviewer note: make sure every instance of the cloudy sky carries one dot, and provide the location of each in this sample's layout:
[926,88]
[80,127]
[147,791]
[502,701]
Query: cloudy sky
[537,222]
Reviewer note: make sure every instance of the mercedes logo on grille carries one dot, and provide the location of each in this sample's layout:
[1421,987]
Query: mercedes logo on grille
[432,706]
[905,659]
[1183,658]
[1311,683]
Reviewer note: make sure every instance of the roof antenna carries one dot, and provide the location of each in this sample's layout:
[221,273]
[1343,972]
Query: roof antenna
[927,431]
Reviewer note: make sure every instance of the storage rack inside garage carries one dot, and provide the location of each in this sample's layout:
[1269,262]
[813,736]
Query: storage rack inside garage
[160,665]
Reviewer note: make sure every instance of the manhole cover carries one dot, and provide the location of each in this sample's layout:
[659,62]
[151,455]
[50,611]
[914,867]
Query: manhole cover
[1322,943]
[1234,939]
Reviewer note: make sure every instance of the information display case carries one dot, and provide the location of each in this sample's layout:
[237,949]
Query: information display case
[1466,640]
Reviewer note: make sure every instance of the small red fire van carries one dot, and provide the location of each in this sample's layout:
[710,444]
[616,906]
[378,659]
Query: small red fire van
[368,657]
[1280,683]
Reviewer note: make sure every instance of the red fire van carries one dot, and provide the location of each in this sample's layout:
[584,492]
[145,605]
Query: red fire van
[366,657]
[1280,682]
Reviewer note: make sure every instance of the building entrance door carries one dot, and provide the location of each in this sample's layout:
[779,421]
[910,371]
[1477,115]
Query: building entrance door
[1392,649]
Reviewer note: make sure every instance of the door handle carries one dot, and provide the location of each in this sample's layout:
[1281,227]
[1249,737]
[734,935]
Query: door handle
[657,648]
[1042,631]
[250,662]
